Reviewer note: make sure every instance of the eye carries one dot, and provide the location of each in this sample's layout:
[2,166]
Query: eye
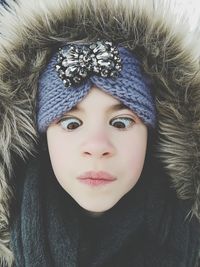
[123,122]
[70,123]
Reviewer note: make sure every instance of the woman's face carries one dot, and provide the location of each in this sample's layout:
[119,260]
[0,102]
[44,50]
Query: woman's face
[103,138]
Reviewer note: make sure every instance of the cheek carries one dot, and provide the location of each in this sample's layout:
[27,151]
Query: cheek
[134,154]
[135,161]
[59,151]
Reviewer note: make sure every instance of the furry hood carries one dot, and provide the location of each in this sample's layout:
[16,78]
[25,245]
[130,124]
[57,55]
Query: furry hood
[30,32]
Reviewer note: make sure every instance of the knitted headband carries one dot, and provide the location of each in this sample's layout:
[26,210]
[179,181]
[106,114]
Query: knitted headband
[74,69]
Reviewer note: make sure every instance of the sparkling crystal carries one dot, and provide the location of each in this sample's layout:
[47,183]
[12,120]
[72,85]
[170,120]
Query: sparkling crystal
[68,72]
[76,79]
[61,72]
[108,43]
[114,74]
[96,69]
[99,47]
[67,83]
[104,73]
[83,73]
[73,68]
[117,66]
[65,63]
[95,62]
[59,59]
[58,67]
[104,63]
[86,58]
[104,55]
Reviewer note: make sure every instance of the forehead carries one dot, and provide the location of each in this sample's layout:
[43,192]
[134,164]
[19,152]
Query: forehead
[97,98]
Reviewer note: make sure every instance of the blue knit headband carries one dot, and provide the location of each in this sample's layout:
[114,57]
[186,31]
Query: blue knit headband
[74,69]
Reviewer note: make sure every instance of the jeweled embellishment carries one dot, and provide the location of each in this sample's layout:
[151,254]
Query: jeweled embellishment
[76,63]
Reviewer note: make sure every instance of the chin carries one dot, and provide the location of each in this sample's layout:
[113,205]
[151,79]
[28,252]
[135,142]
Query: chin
[96,207]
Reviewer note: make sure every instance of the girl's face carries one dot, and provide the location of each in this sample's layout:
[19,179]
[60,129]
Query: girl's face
[98,135]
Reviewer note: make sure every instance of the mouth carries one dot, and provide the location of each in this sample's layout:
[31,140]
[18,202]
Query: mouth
[96,178]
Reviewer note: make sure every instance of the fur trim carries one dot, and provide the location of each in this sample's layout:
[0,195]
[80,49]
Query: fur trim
[31,30]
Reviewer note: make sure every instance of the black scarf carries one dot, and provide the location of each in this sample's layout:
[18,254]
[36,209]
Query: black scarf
[146,228]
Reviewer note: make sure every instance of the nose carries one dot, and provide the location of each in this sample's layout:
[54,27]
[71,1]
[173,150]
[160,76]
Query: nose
[98,146]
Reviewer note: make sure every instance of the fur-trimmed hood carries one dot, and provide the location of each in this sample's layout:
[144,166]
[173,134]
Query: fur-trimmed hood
[29,33]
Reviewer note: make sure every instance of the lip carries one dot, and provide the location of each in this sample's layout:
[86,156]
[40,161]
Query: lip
[96,178]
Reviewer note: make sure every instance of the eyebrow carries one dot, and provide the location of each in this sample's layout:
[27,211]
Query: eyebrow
[115,107]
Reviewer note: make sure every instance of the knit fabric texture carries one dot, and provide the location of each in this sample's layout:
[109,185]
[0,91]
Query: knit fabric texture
[132,87]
